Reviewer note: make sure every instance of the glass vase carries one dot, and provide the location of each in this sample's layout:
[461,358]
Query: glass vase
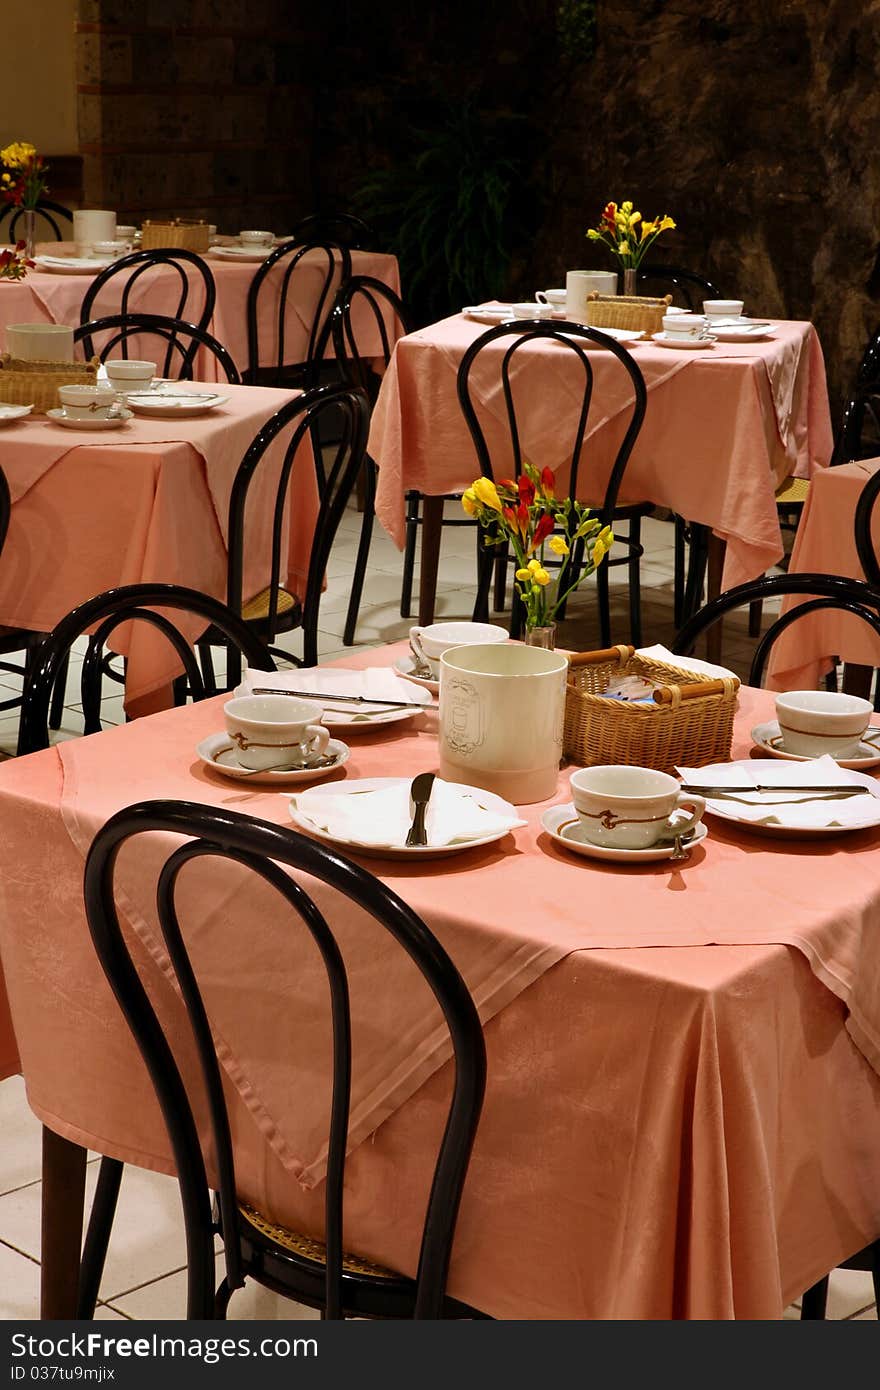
[629,280]
[541,636]
[29,222]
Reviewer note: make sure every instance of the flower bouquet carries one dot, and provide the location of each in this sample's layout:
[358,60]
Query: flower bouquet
[14,263]
[23,183]
[527,513]
[628,236]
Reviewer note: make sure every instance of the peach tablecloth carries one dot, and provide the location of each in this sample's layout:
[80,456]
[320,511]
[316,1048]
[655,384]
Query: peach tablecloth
[148,502]
[724,426]
[825,544]
[55,298]
[678,1120]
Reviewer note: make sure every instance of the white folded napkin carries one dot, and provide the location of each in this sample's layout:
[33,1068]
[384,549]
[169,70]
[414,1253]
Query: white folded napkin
[661,653]
[383,816]
[375,683]
[796,810]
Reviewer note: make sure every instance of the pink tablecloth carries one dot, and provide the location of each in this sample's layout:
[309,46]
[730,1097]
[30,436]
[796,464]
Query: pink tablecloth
[680,1121]
[55,298]
[825,544]
[723,427]
[147,502]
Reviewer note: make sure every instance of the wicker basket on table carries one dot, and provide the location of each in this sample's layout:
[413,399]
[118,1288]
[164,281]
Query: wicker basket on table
[188,236]
[637,312]
[36,383]
[689,722]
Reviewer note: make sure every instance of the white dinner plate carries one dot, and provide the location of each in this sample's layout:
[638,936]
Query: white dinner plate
[240,253]
[488,313]
[406,666]
[165,405]
[728,809]
[355,716]
[563,826]
[113,422]
[8,413]
[768,738]
[488,800]
[217,752]
[72,265]
[683,344]
[756,334]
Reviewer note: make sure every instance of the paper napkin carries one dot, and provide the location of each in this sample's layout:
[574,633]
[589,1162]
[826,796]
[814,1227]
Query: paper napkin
[383,816]
[375,683]
[796,810]
[660,653]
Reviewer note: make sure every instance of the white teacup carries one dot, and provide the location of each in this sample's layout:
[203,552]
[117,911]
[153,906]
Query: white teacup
[815,722]
[554,297]
[689,326]
[256,238]
[723,308]
[88,402]
[632,807]
[536,309]
[125,232]
[111,249]
[129,374]
[275,730]
[429,643]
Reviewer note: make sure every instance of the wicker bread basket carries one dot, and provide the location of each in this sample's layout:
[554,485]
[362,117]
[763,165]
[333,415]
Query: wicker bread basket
[627,311]
[690,721]
[36,383]
[190,236]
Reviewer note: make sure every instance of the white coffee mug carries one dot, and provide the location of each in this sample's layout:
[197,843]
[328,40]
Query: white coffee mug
[429,643]
[580,284]
[91,225]
[625,807]
[501,715]
[275,730]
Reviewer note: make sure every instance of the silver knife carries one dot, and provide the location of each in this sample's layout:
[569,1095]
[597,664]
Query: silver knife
[845,789]
[420,795]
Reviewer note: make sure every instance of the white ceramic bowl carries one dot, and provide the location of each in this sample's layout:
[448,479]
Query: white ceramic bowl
[275,730]
[815,722]
[723,308]
[129,374]
[87,402]
[255,238]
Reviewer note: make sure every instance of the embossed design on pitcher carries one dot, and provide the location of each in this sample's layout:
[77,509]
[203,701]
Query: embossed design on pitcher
[462,717]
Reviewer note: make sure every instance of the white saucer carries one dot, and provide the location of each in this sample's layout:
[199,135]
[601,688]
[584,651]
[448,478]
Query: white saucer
[563,826]
[97,422]
[240,253]
[72,265]
[405,666]
[488,800]
[683,344]
[216,751]
[756,334]
[8,413]
[166,405]
[768,738]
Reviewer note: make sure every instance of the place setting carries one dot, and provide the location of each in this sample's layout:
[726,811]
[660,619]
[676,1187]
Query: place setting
[89,408]
[272,739]
[347,699]
[421,664]
[249,245]
[817,723]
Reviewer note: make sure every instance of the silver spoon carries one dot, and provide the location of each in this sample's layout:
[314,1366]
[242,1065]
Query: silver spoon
[326,760]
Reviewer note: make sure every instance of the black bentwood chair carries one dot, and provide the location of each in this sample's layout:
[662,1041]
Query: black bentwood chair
[13,639]
[53,214]
[342,227]
[179,342]
[575,338]
[868,558]
[319,1274]
[100,616]
[196,291]
[684,285]
[274,609]
[320,265]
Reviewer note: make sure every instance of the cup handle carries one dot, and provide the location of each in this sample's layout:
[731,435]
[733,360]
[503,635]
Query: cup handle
[415,634]
[315,740]
[674,826]
[541,297]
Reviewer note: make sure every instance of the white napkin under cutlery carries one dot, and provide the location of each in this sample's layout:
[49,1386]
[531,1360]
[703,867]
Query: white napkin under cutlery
[798,810]
[382,816]
[374,683]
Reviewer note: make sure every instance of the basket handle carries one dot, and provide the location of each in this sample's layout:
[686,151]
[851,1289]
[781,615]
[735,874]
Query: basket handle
[619,653]
[674,694]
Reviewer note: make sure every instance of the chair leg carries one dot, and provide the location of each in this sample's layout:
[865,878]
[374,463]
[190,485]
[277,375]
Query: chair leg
[679,571]
[500,578]
[409,554]
[814,1300]
[221,1298]
[432,527]
[603,598]
[756,610]
[696,569]
[63,1198]
[368,474]
[98,1236]
[56,708]
[635,581]
[485,563]
[206,662]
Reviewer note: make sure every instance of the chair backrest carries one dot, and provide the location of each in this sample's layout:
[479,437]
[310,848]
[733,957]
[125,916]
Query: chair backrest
[101,616]
[50,214]
[195,289]
[575,338]
[685,284]
[180,342]
[867,551]
[296,423]
[263,849]
[320,265]
[342,227]
[5,508]
[858,436]
[818,591]
[359,300]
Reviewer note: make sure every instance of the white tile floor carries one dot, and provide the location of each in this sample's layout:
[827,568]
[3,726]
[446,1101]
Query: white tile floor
[144,1277]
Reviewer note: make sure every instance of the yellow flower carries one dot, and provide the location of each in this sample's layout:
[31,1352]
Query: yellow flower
[593,234]
[636,217]
[534,566]
[469,502]
[485,491]
[7,178]
[626,207]
[647,229]
[606,535]
[666,224]
[558,545]
[523,575]
[16,155]
[623,248]
[540,576]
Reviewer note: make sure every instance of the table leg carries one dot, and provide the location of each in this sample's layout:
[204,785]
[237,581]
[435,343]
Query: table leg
[857,679]
[432,523]
[64,1188]
[714,570]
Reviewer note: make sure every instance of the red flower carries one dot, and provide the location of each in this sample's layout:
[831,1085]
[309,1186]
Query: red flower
[526,490]
[548,483]
[507,485]
[609,215]
[542,531]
